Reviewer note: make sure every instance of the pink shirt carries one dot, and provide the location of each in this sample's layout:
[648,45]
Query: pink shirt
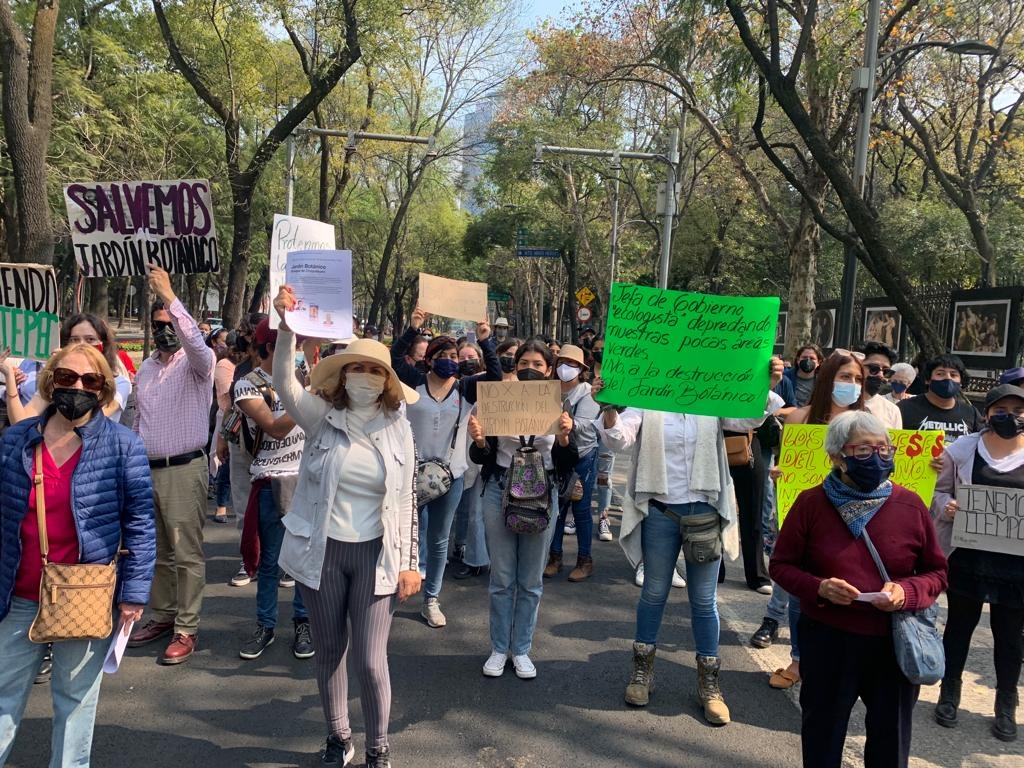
[172,413]
[223,377]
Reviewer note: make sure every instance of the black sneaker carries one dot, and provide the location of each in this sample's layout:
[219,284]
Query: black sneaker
[258,643]
[302,645]
[378,758]
[337,752]
[45,667]
[766,634]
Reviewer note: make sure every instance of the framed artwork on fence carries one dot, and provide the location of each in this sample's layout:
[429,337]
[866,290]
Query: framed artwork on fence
[985,326]
[823,324]
[882,322]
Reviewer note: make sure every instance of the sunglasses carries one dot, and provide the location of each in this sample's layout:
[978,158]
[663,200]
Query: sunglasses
[158,324]
[66,378]
[848,353]
[874,369]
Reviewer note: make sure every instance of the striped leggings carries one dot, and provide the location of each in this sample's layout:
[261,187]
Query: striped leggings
[346,600]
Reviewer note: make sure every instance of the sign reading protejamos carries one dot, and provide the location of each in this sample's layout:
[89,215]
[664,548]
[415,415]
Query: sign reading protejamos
[804,463]
[510,408]
[118,228]
[688,352]
[290,234]
[29,301]
[990,519]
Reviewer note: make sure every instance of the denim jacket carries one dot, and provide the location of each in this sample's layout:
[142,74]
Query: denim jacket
[327,444]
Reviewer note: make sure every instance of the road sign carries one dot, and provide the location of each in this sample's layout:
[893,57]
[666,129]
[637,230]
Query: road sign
[538,253]
[583,314]
[494,295]
[584,296]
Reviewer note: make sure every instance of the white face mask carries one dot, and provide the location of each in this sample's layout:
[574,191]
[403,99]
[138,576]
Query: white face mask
[364,388]
[567,372]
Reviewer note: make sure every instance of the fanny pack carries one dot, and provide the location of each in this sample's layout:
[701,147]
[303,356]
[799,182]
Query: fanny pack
[701,533]
[434,477]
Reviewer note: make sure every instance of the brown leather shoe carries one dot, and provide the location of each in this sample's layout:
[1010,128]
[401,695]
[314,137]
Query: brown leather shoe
[584,569]
[554,565]
[180,648]
[150,631]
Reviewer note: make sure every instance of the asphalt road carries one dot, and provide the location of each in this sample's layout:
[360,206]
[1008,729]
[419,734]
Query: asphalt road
[220,710]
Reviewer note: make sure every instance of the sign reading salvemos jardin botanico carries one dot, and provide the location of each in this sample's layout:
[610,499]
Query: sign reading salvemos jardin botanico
[118,228]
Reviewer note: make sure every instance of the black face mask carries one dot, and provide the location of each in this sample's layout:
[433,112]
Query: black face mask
[1006,425]
[73,404]
[166,339]
[421,366]
[873,385]
[598,355]
[588,342]
[508,363]
[469,367]
[530,374]
[807,365]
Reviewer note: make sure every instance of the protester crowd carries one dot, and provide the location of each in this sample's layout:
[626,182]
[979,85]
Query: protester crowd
[360,474]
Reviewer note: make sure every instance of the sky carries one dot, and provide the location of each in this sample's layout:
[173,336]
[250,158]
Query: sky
[535,10]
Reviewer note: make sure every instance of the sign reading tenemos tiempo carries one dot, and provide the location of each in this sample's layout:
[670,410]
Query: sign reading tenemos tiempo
[688,352]
[29,300]
[118,228]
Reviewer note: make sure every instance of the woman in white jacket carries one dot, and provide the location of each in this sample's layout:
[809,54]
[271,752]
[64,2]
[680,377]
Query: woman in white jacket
[679,502]
[351,532]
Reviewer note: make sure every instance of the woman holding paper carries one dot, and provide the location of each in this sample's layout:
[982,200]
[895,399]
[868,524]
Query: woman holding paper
[823,558]
[993,457]
[517,559]
[439,418]
[86,478]
[679,502]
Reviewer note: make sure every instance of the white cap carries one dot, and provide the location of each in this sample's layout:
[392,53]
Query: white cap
[501,322]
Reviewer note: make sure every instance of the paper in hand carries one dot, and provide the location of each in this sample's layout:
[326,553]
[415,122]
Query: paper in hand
[117,645]
[870,597]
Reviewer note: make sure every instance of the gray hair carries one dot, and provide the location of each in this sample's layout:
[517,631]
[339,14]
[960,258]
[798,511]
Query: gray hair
[845,425]
[904,370]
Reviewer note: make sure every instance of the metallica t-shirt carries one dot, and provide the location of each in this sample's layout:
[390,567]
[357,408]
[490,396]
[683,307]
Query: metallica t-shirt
[919,413]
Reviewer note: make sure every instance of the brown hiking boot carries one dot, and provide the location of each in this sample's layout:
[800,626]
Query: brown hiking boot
[584,569]
[641,682]
[710,695]
[554,565]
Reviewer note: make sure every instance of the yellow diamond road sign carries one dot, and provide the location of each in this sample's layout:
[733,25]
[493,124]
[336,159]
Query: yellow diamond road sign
[584,296]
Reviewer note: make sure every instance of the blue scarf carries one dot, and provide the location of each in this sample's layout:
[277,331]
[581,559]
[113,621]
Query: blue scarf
[856,507]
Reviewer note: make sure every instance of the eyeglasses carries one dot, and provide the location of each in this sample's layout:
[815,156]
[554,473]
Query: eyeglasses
[864,451]
[874,369]
[848,353]
[66,378]
[158,324]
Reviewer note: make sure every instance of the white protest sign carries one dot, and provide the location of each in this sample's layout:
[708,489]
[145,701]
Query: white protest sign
[322,281]
[511,408]
[292,233]
[29,302]
[458,299]
[990,519]
[118,228]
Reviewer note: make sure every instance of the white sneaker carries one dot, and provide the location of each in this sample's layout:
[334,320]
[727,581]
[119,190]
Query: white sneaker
[287,581]
[241,578]
[495,664]
[639,580]
[524,667]
[604,530]
[432,613]
[570,526]
[677,580]
[765,589]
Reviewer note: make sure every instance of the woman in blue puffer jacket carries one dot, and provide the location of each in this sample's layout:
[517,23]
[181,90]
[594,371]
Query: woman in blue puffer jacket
[98,494]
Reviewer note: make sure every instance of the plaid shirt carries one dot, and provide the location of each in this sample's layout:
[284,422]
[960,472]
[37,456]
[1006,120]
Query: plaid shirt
[172,413]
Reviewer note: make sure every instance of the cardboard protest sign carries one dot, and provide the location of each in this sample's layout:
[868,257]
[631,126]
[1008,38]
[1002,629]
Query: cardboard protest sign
[292,233]
[117,228]
[458,299]
[688,352]
[990,519]
[322,281]
[511,408]
[29,301]
[804,463]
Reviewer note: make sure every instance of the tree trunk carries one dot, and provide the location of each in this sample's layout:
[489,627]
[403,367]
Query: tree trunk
[99,297]
[238,271]
[979,231]
[804,249]
[379,295]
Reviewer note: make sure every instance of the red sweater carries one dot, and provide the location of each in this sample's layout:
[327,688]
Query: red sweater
[815,544]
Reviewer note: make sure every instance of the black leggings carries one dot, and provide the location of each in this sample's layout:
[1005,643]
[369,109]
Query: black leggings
[1007,622]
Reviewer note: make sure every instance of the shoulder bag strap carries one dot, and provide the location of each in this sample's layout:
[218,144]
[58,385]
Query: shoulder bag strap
[44,543]
[455,432]
[875,557]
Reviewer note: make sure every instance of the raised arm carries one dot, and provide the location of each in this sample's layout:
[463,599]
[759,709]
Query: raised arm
[305,408]
[200,357]
[492,365]
[407,374]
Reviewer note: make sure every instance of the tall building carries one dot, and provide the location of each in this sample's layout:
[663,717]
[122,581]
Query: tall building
[478,151]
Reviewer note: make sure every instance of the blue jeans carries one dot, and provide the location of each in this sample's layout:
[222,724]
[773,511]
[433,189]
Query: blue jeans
[780,605]
[517,574]
[223,485]
[605,465]
[267,578]
[74,686]
[586,468]
[475,538]
[439,515]
[661,542]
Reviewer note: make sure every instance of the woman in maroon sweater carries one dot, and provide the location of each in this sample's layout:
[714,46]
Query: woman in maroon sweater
[846,647]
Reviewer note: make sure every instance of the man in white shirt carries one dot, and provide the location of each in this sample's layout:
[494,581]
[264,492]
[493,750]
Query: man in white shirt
[878,361]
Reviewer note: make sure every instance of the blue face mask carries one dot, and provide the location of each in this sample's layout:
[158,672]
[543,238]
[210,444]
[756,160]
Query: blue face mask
[867,474]
[444,367]
[944,388]
[899,387]
[845,393]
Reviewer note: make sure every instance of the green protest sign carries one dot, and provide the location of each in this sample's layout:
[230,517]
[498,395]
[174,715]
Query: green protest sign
[29,301]
[688,352]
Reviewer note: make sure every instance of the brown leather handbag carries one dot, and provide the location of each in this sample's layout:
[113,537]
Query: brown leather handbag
[76,601]
[738,450]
